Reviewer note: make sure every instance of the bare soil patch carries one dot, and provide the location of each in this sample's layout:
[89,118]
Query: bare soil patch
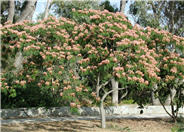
[115,125]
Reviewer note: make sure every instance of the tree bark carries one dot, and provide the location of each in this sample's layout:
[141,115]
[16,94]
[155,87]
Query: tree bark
[11,11]
[28,12]
[114,84]
[122,5]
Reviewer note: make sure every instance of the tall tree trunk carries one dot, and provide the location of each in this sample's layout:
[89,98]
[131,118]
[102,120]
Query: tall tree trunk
[114,84]
[11,11]
[28,12]
[122,5]
[46,14]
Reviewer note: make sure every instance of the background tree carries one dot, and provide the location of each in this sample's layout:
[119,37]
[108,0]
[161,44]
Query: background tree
[106,5]
[159,14]
[48,6]
[17,10]
[122,5]
[64,8]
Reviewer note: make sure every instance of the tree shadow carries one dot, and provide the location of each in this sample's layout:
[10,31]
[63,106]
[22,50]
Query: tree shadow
[68,126]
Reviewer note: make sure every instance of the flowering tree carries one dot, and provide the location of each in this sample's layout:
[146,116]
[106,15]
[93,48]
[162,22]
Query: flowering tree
[71,60]
[114,49]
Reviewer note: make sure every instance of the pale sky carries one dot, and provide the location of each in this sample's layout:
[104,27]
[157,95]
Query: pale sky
[41,4]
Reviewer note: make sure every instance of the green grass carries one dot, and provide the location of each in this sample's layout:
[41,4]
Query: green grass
[115,127]
[179,127]
[129,101]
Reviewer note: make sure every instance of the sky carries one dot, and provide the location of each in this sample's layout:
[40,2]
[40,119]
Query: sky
[41,4]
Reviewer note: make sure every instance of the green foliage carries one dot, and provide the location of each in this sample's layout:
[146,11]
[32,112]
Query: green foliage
[130,101]
[107,6]
[159,14]
[64,8]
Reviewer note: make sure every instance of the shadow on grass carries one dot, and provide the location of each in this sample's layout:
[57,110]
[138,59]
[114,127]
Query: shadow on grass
[64,126]
[60,126]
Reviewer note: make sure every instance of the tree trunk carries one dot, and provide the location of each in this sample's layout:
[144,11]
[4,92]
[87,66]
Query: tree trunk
[28,12]
[98,86]
[168,100]
[155,101]
[47,9]
[170,97]
[18,61]
[114,84]
[11,11]
[172,18]
[103,124]
[103,120]
[122,5]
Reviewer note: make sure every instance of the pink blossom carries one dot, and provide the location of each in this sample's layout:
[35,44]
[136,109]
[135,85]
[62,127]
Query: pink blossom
[47,83]
[22,83]
[72,104]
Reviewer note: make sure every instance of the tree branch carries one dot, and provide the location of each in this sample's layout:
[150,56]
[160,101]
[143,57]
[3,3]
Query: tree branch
[105,95]
[154,11]
[46,13]
[124,95]
[104,90]
[104,84]
[165,108]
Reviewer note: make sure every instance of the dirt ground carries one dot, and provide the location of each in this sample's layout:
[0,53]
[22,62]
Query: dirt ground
[123,125]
